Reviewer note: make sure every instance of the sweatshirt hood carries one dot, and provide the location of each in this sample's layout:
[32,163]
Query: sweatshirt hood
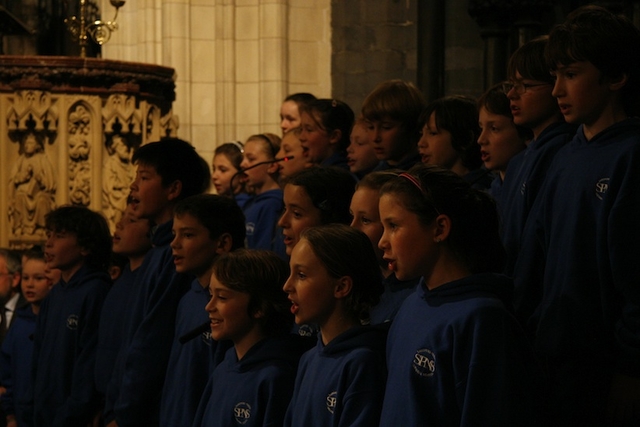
[610,135]
[474,286]
[371,337]
[84,274]
[286,349]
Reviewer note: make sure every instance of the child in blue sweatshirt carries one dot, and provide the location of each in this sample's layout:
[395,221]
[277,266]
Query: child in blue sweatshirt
[204,227]
[253,385]
[17,347]
[167,171]
[261,212]
[533,107]
[456,354]
[66,336]
[580,248]
[366,218]
[334,282]
[132,240]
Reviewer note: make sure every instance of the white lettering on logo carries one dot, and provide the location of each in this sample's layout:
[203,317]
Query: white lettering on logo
[242,412]
[601,187]
[331,401]
[72,322]
[206,338]
[424,363]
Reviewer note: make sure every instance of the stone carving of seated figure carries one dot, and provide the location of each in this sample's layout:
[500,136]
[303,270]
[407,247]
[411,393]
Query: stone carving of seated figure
[32,187]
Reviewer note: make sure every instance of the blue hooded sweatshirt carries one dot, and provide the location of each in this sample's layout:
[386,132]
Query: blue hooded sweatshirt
[523,181]
[133,394]
[458,357]
[255,390]
[577,273]
[190,363]
[342,383]
[261,219]
[64,352]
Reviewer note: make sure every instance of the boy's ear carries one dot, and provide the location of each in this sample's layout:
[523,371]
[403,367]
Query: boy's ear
[343,287]
[174,190]
[618,82]
[225,241]
[335,136]
[442,228]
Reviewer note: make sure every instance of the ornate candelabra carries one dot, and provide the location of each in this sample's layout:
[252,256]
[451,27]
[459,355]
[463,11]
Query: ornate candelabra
[99,31]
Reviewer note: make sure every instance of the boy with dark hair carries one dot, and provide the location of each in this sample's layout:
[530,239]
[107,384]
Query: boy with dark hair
[391,112]
[204,227]
[167,171]
[533,107]
[131,240]
[65,341]
[583,231]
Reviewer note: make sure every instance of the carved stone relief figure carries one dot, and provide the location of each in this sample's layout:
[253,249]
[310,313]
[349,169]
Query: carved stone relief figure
[79,148]
[32,187]
[118,174]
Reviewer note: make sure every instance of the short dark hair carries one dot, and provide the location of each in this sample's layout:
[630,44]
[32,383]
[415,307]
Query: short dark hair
[176,160]
[398,100]
[330,190]
[301,98]
[529,60]
[261,274]
[330,115]
[89,227]
[218,214]
[610,42]
[346,251]
[459,115]
[35,252]
[495,101]
[475,230]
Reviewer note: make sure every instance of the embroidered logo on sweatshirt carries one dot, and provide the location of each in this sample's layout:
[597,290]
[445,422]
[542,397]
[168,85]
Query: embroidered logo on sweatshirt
[305,331]
[242,412]
[72,322]
[206,338]
[424,363]
[250,228]
[331,401]
[523,187]
[601,187]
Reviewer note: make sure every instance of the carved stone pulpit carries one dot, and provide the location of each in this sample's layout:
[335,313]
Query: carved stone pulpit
[68,129]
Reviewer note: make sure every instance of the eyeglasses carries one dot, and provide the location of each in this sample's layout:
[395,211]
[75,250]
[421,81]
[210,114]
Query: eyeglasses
[520,87]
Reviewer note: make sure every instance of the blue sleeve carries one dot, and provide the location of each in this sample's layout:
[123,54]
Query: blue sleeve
[146,359]
[496,374]
[81,400]
[363,397]
[278,393]
[199,420]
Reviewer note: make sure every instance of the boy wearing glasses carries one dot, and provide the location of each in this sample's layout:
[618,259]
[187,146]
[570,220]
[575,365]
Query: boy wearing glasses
[533,107]
[580,247]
